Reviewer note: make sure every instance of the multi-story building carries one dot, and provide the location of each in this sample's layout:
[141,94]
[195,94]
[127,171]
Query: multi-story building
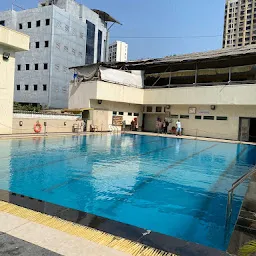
[63,34]
[240,23]
[118,52]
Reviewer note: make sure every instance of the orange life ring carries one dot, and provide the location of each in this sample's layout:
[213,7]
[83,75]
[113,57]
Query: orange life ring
[37,128]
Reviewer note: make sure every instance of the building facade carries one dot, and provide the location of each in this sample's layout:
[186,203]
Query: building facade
[118,52]
[211,93]
[63,34]
[240,23]
[10,43]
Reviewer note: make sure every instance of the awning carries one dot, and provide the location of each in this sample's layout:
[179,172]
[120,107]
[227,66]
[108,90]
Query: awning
[106,17]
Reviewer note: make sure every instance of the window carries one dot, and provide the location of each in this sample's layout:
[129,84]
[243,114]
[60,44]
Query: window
[184,116]
[37,44]
[149,109]
[99,46]
[2,22]
[29,24]
[114,113]
[136,114]
[58,45]
[18,67]
[35,87]
[73,51]
[44,87]
[38,23]
[67,28]
[18,87]
[198,117]
[26,87]
[45,65]
[46,44]
[65,48]
[20,26]
[47,22]
[121,113]
[36,66]
[27,66]
[158,109]
[129,114]
[208,117]
[174,116]
[89,59]
[222,118]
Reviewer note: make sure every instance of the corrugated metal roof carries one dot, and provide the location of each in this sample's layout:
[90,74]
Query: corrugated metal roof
[197,56]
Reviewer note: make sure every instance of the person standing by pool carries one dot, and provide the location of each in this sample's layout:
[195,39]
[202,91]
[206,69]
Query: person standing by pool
[178,128]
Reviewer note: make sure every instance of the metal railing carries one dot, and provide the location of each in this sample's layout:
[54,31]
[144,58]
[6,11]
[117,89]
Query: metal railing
[231,194]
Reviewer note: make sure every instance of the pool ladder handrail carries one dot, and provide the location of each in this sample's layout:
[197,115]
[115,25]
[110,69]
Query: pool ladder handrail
[231,193]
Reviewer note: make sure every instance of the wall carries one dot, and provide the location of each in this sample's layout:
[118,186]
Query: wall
[204,95]
[53,125]
[209,128]
[9,42]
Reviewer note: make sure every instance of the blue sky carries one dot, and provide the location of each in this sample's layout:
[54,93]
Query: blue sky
[184,19]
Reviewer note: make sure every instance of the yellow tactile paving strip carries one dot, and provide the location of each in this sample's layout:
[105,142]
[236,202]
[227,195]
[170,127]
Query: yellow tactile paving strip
[101,238]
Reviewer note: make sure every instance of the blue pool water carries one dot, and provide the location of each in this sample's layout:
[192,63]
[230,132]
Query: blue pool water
[175,187]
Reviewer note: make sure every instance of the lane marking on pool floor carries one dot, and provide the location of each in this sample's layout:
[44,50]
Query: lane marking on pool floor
[93,235]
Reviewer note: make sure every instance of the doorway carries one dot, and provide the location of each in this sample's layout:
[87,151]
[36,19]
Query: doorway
[252,131]
[247,129]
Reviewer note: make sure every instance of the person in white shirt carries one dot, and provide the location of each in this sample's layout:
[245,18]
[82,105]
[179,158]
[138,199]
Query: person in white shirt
[178,128]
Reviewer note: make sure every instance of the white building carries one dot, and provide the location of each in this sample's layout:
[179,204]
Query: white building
[118,52]
[211,93]
[63,34]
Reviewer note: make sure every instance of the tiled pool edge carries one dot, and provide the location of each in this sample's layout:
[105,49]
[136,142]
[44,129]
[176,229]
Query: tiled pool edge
[130,234]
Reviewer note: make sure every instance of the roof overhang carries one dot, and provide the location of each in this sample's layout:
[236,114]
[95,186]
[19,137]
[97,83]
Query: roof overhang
[106,17]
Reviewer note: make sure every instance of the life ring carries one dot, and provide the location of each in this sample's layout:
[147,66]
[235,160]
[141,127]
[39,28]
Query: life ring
[37,127]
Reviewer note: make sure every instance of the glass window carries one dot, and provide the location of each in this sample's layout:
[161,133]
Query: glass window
[121,113]
[35,87]
[46,44]
[36,66]
[136,114]
[184,116]
[45,65]
[222,118]
[149,109]
[99,46]
[37,44]
[26,87]
[18,67]
[18,87]
[20,26]
[174,116]
[38,23]
[47,22]
[29,24]
[198,117]
[27,66]
[44,87]
[89,59]
[208,117]
[2,22]
[114,113]
[158,109]
[129,114]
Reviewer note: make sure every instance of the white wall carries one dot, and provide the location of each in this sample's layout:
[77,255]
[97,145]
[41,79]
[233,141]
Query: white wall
[203,95]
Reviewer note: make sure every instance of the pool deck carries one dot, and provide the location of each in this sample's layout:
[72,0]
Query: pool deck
[25,237]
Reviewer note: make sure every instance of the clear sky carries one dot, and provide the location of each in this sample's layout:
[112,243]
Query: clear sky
[183,19]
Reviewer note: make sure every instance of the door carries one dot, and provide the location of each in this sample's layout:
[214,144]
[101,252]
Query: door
[244,129]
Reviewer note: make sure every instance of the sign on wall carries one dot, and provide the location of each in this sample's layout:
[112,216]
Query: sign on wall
[192,110]
[117,120]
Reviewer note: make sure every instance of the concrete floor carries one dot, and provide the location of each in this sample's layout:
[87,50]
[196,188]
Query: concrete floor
[19,236]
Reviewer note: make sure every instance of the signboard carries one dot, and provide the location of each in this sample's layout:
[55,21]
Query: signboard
[117,120]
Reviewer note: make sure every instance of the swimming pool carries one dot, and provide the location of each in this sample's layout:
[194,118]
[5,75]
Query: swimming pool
[176,187]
